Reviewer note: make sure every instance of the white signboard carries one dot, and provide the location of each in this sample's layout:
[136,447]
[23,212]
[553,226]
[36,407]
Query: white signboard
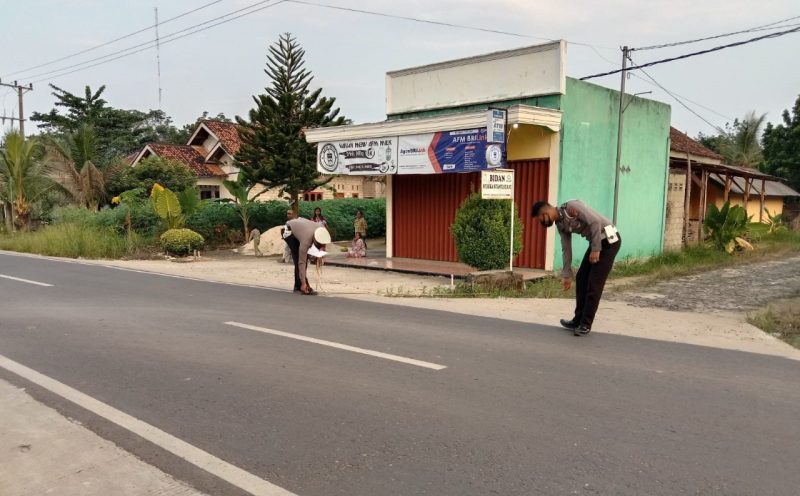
[497,185]
[358,157]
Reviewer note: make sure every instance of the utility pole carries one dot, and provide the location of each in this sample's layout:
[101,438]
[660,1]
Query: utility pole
[158,57]
[20,91]
[624,74]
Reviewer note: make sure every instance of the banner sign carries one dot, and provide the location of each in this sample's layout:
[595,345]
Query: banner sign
[496,125]
[431,153]
[358,157]
[448,151]
[497,185]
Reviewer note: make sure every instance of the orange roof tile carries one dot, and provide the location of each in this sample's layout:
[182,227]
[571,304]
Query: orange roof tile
[189,156]
[680,142]
[227,134]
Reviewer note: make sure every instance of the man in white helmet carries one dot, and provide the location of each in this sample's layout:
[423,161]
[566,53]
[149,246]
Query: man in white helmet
[301,235]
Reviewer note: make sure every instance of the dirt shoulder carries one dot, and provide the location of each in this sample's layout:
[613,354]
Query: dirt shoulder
[632,314]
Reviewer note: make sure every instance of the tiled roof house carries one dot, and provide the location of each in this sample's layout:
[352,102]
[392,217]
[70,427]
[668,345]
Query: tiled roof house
[210,154]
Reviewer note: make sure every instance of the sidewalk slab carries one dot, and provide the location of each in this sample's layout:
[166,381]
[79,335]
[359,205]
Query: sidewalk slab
[42,452]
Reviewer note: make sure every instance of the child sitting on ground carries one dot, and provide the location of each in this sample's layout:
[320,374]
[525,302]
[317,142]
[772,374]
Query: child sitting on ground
[357,249]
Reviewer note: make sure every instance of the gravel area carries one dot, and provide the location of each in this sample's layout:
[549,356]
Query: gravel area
[735,289]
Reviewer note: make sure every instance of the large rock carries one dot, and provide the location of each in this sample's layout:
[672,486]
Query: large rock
[497,279]
[271,243]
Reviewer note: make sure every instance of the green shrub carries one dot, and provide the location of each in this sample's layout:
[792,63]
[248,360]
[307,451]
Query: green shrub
[71,240]
[214,221]
[341,214]
[144,220]
[181,241]
[267,215]
[481,233]
[73,215]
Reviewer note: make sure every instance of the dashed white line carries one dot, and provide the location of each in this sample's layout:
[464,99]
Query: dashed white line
[19,279]
[332,344]
[197,457]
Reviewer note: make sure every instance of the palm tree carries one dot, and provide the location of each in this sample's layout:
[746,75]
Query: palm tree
[743,146]
[73,167]
[23,176]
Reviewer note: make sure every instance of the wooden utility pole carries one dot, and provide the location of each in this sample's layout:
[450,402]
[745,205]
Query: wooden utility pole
[20,91]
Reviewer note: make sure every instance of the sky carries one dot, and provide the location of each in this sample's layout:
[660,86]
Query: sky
[221,68]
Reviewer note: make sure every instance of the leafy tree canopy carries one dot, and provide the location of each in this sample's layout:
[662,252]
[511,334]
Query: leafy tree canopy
[782,147]
[274,151]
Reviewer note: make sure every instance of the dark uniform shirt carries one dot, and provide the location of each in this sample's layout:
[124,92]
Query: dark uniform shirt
[576,217]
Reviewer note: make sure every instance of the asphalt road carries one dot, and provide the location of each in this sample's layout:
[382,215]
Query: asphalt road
[518,410]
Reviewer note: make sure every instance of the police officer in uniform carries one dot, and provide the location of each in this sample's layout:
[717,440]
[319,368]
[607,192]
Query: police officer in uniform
[604,243]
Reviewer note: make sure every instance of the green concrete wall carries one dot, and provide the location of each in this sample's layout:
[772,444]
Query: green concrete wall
[545,101]
[587,164]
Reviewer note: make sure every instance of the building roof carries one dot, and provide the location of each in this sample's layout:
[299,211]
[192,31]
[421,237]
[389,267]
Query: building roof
[226,132]
[188,155]
[680,142]
[771,188]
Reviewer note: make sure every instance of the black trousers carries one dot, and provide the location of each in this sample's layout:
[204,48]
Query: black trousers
[294,247]
[590,282]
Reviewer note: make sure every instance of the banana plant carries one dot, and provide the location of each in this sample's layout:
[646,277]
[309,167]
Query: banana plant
[726,227]
[775,222]
[166,205]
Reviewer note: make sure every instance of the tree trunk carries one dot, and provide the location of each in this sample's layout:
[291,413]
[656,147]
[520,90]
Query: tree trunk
[296,204]
[8,216]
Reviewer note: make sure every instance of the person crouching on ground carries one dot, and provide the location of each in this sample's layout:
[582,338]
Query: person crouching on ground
[357,248]
[604,243]
[301,235]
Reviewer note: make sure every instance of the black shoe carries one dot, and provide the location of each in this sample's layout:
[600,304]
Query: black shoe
[569,324]
[582,330]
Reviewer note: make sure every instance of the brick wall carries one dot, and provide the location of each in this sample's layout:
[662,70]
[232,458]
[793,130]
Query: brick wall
[673,225]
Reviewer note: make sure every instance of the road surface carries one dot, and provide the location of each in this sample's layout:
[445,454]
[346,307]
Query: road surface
[241,390]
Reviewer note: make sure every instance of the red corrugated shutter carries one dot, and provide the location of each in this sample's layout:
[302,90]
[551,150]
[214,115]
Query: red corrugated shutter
[424,207]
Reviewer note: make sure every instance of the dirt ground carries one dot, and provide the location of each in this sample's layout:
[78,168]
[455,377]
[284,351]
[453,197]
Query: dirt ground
[703,310]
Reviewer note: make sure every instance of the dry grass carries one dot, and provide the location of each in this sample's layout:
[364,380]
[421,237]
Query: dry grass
[780,319]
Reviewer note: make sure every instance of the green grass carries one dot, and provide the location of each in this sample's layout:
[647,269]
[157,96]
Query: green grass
[542,288]
[72,240]
[780,319]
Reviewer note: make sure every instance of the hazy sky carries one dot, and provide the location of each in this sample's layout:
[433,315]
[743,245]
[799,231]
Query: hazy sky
[219,69]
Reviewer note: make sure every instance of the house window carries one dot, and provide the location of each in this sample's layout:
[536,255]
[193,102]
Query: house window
[355,195]
[209,192]
[312,196]
[339,195]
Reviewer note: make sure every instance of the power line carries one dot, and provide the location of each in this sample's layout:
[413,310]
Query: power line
[435,23]
[694,54]
[675,97]
[762,27]
[673,94]
[151,43]
[184,14]
[162,42]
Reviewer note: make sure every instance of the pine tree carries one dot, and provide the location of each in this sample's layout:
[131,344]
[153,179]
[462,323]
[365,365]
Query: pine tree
[274,151]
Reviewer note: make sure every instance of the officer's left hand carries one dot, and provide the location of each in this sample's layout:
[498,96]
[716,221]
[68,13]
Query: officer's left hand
[594,257]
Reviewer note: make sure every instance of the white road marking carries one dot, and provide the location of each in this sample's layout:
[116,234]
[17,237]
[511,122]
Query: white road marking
[139,271]
[197,457]
[354,349]
[26,280]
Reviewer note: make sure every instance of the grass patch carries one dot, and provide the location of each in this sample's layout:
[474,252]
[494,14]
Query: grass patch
[542,288]
[72,240]
[780,319]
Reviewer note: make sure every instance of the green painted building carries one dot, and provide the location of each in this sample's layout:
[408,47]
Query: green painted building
[561,141]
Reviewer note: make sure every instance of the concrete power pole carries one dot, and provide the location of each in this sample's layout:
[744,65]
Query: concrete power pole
[20,91]
[624,73]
